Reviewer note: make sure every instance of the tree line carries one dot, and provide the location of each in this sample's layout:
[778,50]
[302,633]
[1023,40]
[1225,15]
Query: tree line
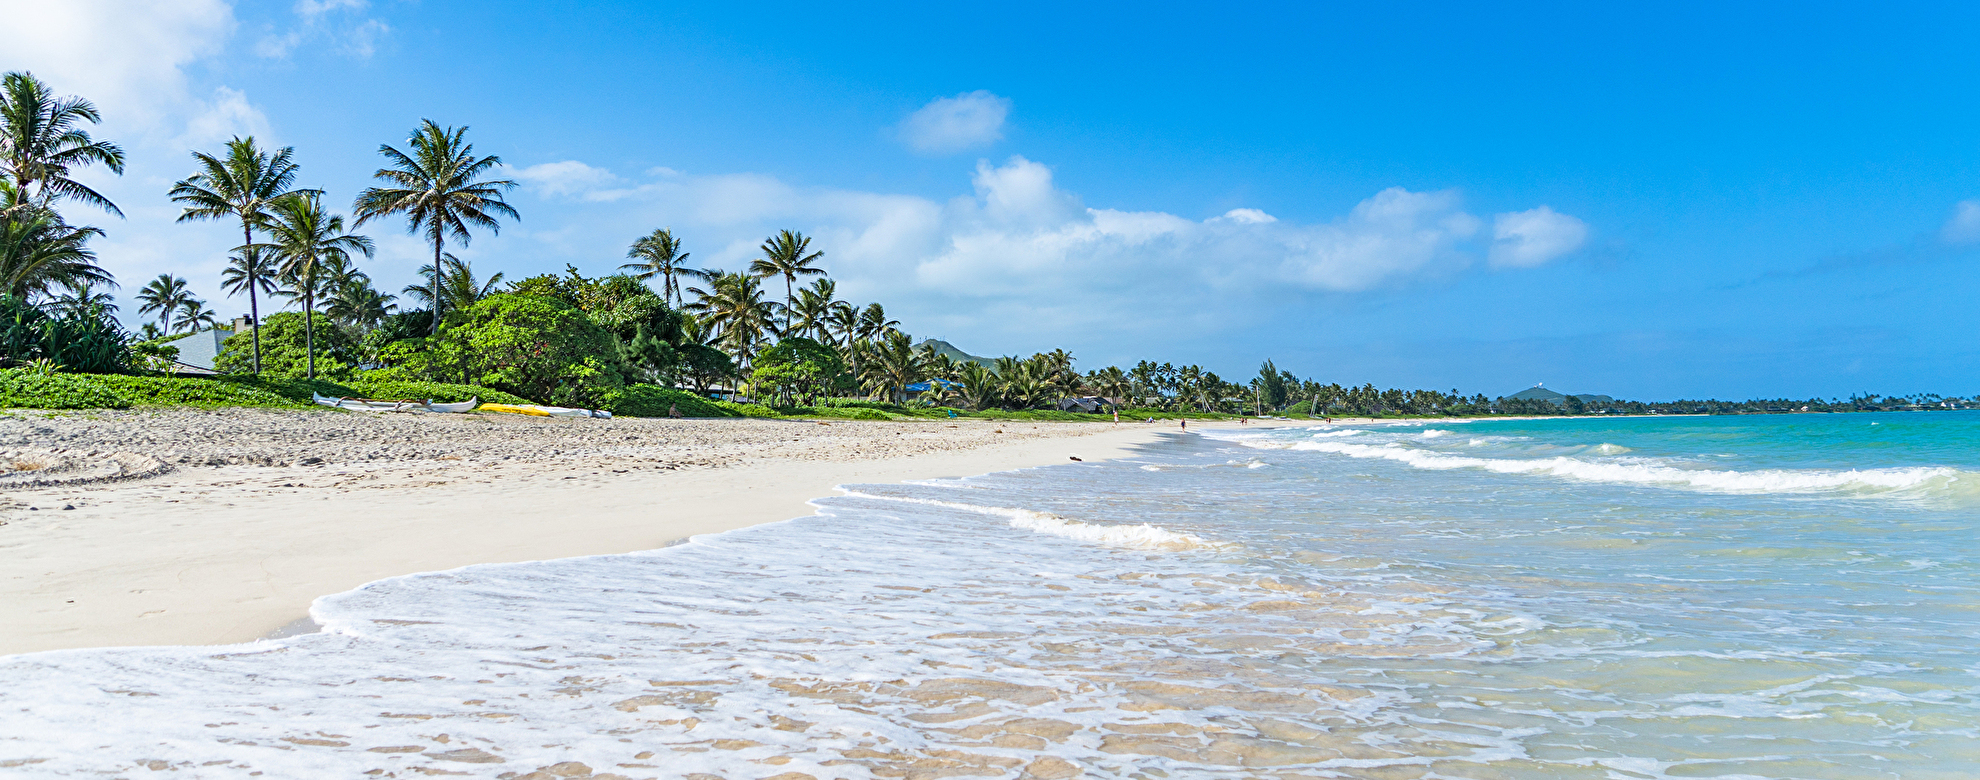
[774,331]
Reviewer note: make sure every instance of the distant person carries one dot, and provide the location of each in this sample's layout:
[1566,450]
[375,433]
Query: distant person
[1117,417]
[1185,423]
[673,411]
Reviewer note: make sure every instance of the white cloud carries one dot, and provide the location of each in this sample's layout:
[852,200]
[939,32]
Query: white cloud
[569,177]
[1964,226]
[227,114]
[314,8]
[1249,216]
[952,124]
[314,19]
[1017,259]
[1524,239]
[125,55]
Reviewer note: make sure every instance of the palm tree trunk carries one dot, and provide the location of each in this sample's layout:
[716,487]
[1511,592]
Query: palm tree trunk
[309,326]
[253,281]
[435,283]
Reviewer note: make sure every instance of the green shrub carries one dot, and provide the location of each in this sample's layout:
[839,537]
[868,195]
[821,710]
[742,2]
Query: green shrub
[282,348]
[528,346]
[186,391]
[25,389]
[747,410]
[838,413]
[653,401]
[442,392]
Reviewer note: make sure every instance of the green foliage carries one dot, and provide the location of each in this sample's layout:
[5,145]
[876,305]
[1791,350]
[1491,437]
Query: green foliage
[838,413]
[441,392]
[529,346]
[747,410]
[22,388]
[85,342]
[798,368]
[282,354]
[644,400]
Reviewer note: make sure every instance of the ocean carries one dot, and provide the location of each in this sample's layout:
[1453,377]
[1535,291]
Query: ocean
[1790,596]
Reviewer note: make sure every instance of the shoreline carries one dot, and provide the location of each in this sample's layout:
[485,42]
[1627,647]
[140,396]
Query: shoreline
[231,553]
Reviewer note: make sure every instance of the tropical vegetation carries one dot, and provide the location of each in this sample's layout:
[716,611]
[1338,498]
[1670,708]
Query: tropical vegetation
[657,337]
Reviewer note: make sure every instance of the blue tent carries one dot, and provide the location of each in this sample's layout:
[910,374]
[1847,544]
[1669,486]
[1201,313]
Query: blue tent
[923,387]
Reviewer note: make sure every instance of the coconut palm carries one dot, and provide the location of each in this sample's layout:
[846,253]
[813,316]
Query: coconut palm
[254,277]
[733,306]
[1110,382]
[813,306]
[354,303]
[979,385]
[660,255]
[873,322]
[843,319]
[458,289]
[440,189]
[191,314]
[80,297]
[163,295]
[311,247]
[243,185]
[892,363]
[788,255]
[38,254]
[42,141]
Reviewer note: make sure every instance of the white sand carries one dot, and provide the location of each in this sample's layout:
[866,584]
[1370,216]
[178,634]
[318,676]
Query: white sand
[214,554]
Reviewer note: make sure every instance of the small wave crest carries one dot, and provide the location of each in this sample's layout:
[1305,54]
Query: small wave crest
[1648,471]
[1140,536]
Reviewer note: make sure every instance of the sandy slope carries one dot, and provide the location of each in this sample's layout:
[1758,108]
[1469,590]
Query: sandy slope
[223,547]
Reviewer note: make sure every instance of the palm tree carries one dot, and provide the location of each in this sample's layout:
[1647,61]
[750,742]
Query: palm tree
[79,297]
[247,275]
[38,253]
[354,303]
[843,319]
[41,140]
[1111,382]
[311,244]
[660,255]
[892,364]
[785,255]
[733,306]
[191,314]
[814,305]
[440,189]
[873,322]
[243,185]
[163,295]
[458,289]
[979,385]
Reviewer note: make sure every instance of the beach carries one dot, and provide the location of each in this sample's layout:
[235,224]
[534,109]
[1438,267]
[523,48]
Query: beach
[252,514]
[1755,597]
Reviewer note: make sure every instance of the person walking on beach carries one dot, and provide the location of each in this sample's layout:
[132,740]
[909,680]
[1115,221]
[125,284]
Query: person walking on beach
[1185,423]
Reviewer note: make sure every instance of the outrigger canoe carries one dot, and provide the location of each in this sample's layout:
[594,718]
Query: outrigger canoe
[546,411]
[394,405]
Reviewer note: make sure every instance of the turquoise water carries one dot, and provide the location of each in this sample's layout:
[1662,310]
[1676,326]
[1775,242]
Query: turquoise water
[1748,597]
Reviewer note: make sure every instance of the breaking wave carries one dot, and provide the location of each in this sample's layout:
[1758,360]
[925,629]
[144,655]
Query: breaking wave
[1139,536]
[1647,471]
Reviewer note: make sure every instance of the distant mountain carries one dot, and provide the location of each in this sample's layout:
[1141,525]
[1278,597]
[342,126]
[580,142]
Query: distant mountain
[1538,393]
[945,348]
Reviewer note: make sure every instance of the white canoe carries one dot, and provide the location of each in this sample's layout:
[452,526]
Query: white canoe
[377,405]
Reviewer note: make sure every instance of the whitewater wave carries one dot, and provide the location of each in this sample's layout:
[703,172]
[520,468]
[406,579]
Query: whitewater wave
[1140,536]
[1649,471]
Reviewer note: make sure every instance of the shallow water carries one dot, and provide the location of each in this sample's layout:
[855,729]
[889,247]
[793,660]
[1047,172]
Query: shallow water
[1753,597]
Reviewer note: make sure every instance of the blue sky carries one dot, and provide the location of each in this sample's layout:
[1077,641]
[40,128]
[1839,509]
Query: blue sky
[1653,203]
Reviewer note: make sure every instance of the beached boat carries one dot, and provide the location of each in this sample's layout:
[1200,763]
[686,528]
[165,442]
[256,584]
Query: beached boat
[546,411]
[396,405]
